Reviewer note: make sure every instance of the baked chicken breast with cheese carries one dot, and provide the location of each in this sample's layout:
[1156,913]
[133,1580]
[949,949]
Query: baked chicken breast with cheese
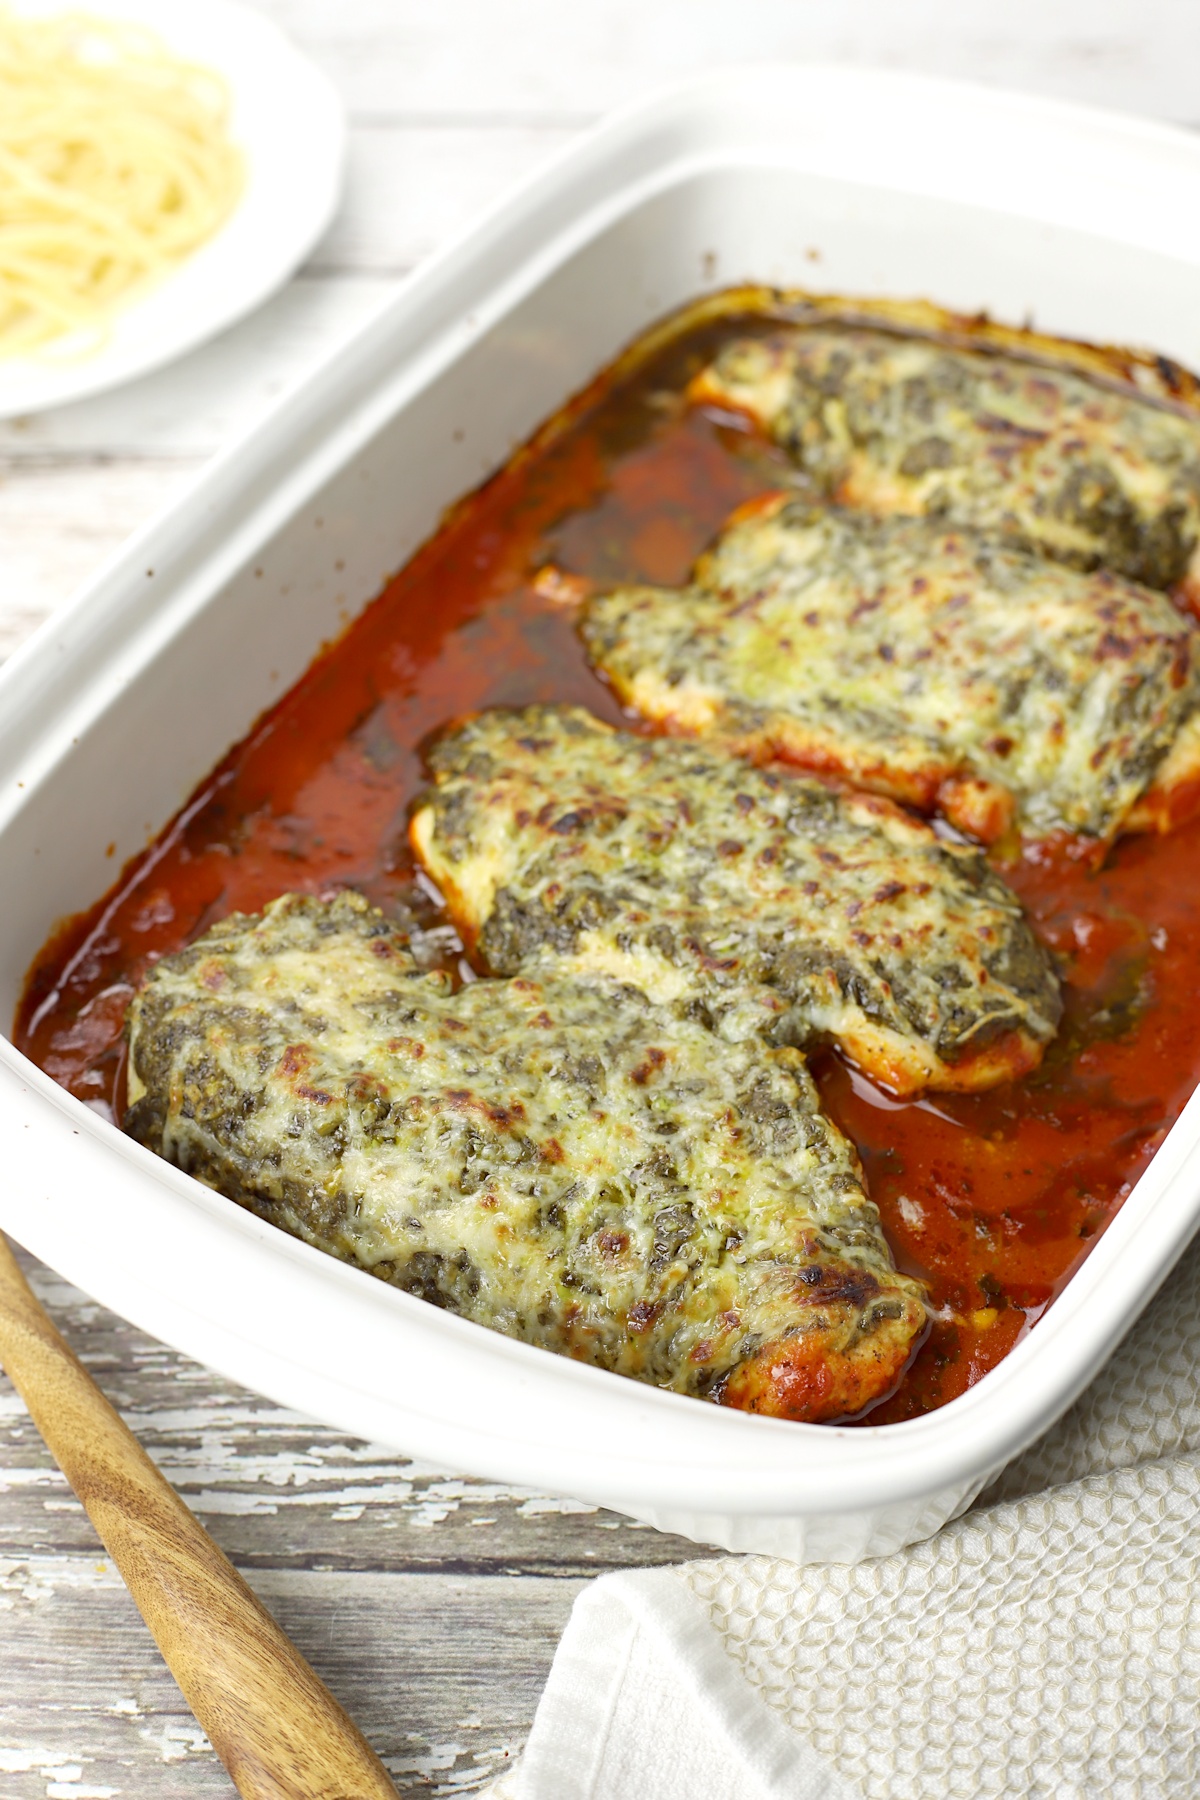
[1069,467]
[558,1159]
[948,669]
[757,901]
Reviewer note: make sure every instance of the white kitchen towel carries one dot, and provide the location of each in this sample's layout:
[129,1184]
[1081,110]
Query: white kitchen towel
[1046,1645]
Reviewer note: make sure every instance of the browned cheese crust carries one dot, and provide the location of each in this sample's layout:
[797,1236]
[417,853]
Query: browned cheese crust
[758,901]
[1060,463]
[560,1160]
[946,668]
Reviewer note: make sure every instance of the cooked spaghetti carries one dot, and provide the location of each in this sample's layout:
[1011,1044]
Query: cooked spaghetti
[115,163]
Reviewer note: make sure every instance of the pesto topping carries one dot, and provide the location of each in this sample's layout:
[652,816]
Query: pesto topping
[560,1159]
[908,655]
[756,901]
[1063,465]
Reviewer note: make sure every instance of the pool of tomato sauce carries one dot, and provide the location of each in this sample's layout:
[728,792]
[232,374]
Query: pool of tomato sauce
[994,1198]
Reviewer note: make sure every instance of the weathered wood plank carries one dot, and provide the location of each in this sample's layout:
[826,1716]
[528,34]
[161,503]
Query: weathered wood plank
[442,1672]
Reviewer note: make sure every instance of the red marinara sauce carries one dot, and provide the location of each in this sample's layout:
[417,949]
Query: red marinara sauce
[993,1198]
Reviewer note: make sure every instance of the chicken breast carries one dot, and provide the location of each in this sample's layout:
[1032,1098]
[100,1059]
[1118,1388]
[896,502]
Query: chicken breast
[1066,466]
[559,1159]
[947,669]
[758,901]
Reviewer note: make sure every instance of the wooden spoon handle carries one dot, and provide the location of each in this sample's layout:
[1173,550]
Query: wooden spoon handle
[277,1729]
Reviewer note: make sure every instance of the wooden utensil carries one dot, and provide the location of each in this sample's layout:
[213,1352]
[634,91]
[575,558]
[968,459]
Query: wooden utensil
[277,1729]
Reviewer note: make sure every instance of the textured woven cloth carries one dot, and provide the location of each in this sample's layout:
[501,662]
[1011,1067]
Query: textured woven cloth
[1046,1645]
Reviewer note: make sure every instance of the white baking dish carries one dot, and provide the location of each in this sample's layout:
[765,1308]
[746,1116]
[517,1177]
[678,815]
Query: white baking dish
[861,183]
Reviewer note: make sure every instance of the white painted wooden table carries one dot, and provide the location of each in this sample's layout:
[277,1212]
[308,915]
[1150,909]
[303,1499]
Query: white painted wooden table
[430,1603]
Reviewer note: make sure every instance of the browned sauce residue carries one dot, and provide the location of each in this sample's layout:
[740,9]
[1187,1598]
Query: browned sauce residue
[994,1198]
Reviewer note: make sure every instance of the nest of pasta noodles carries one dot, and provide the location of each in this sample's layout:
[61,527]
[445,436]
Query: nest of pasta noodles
[115,163]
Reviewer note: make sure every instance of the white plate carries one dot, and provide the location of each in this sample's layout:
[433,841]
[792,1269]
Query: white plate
[287,120]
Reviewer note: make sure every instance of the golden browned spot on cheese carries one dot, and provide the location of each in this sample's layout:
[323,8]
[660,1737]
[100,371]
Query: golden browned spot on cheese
[817,1375]
[564,1161]
[946,668]
[757,901]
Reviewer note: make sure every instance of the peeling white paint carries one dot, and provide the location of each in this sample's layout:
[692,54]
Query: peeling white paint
[64,1780]
[214,1462]
[43,1477]
[430,1513]
[233,1505]
[38,1577]
[14,1761]
[423,1471]
[18,1578]
[53,1291]
[248,1414]
[458,1776]
[442,1498]
[213,1500]
[435,1758]
[175,1743]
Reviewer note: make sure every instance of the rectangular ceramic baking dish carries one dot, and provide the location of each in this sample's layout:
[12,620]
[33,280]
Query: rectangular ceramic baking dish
[829,178]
